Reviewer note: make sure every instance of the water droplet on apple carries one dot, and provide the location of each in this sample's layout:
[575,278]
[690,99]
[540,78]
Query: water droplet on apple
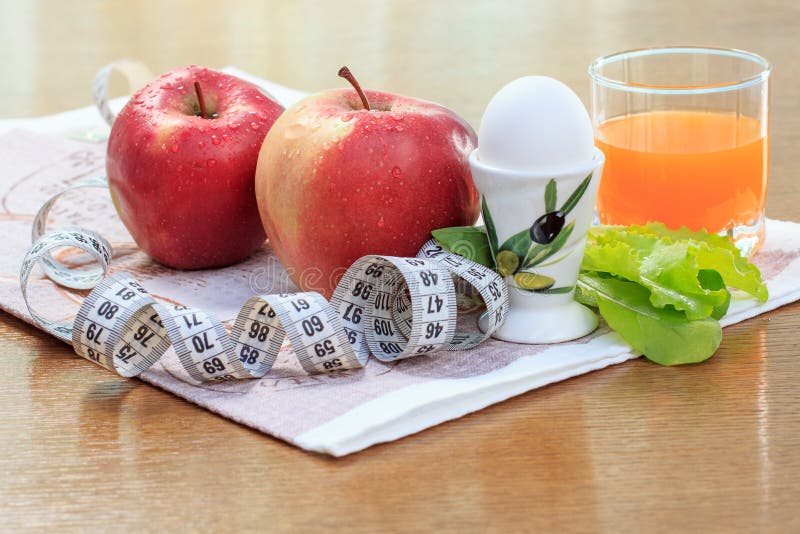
[211,162]
[174,148]
[381,222]
[255,125]
[215,140]
[396,116]
[347,117]
[293,131]
[180,168]
[233,125]
[201,144]
[399,128]
[396,172]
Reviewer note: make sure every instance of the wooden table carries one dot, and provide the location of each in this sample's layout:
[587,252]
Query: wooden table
[631,448]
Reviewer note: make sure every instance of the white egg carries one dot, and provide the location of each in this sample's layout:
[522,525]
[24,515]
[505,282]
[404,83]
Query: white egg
[536,123]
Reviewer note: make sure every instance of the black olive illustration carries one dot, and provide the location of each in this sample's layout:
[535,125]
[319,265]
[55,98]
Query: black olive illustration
[547,227]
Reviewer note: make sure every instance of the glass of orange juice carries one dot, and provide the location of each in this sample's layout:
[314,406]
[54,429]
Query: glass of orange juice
[685,135]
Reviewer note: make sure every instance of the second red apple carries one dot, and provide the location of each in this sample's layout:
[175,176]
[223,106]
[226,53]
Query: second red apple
[343,174]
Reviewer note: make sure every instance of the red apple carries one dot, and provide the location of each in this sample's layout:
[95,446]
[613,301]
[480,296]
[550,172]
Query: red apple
[336,181]
[183,181]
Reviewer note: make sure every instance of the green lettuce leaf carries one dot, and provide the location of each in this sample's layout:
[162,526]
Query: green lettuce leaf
[669,264]
[471,242]
[712,280]
[664,335]
[709,251]
[668,270]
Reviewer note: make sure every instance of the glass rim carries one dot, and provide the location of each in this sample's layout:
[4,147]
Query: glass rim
[760,77]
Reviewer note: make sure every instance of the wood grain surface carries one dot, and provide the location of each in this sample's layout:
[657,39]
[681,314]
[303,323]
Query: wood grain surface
[636,447]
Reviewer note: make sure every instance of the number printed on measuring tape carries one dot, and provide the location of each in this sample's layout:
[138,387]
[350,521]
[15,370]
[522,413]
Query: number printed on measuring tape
[390,307]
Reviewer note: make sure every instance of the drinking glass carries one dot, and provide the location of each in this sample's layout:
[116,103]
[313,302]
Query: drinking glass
[685,132]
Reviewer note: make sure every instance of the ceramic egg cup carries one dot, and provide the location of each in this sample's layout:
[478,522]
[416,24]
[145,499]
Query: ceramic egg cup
[537,224]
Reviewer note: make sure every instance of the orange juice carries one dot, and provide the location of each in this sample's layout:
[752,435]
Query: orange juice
[703,170]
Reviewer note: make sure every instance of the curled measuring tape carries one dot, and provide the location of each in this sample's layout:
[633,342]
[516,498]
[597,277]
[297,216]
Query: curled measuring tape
[135,73]
[390,307]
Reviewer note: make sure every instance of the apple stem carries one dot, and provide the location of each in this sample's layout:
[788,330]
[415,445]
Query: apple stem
[345,73]
[200,100]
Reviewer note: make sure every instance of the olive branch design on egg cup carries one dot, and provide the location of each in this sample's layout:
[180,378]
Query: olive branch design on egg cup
[533,246]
